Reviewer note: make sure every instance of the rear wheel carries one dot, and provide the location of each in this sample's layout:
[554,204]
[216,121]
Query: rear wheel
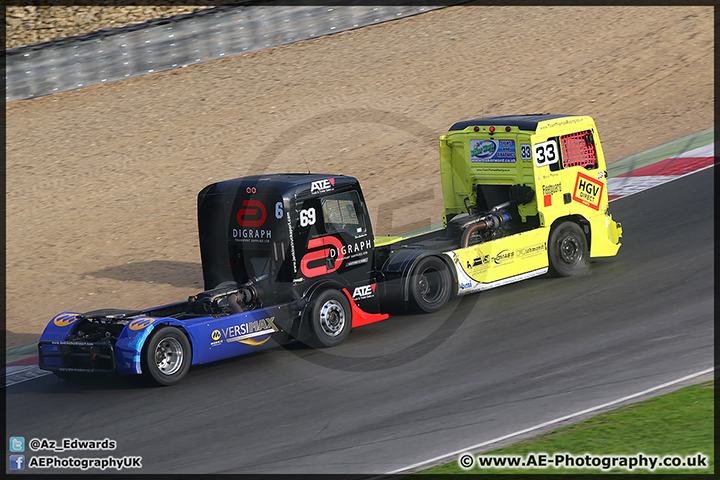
[165,357]
[568,250]
[330,319]
[430,285]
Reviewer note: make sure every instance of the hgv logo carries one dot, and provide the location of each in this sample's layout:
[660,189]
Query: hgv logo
[588,191]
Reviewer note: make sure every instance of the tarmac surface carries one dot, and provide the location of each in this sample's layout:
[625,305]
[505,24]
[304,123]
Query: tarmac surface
[413,387]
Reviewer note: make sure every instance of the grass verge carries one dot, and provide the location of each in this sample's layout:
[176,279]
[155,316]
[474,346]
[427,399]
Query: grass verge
[679,423]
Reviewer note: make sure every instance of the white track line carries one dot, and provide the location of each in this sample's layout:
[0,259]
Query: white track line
[15,375]
[670,178]
[546,424]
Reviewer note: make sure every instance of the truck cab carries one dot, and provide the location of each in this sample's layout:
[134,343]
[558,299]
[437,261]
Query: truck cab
[557,162]
[287,236]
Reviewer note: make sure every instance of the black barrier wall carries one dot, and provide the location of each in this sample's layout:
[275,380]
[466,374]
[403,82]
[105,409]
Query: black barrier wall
[167,43]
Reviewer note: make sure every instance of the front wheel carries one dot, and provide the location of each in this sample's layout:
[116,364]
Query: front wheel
[330,319]
[165,357]
[430,285]
[568,250]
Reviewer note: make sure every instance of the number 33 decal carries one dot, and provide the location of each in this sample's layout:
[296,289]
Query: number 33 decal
[545,153]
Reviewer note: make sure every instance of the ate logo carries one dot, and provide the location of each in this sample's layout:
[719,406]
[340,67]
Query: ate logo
[320,186]
[366,291]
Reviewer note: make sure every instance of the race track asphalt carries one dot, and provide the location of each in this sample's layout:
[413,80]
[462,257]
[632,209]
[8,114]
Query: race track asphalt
[415,387]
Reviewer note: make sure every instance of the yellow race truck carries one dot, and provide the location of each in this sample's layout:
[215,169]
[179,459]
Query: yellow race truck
[522,194]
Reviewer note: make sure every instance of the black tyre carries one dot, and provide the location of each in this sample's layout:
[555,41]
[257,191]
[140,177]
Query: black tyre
[568,250]
[330,319]
[430,285]
[166,357]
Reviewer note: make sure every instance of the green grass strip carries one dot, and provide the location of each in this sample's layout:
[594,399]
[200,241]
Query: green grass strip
[678,423]
[20,353]
[662,152]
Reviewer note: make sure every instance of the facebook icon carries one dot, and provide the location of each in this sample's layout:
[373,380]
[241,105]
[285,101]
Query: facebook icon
[17,462]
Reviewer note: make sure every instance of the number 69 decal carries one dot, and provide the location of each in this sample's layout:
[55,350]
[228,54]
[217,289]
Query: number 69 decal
[545,153]
[307,217]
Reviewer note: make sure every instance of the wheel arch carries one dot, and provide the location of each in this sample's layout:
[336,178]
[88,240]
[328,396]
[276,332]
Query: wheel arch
[171,322]
[397,272]
[303,331]
[151,377]
[581,221]
[130,345]
[448,263]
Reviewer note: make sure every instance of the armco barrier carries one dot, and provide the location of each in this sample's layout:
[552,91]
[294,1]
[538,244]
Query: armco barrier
[167,43]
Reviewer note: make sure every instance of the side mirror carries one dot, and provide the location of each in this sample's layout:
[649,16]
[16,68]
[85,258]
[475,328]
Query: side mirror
[521,194]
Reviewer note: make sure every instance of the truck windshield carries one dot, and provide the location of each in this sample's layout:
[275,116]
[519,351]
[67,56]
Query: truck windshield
[249,262]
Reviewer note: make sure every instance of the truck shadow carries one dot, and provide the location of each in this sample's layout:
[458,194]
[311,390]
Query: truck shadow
[177,274]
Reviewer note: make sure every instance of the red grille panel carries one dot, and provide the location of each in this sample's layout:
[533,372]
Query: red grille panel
[578,150]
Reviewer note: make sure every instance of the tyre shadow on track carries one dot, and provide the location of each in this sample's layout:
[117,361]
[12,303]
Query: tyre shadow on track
[177,274]
[50,384]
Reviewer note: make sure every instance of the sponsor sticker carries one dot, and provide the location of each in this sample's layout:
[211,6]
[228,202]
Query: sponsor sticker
[64,319]
[326,254]
[322,186]
[292,243]
[588,191]
[492,151]
[363,292]
[548,191]
[140,323]
[476,261]
[531,251]
[504,257]
[246,333]
[251,216]
[494,170]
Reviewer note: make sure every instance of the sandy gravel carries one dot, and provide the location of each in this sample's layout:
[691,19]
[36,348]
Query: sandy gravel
[25,25]
[102,182]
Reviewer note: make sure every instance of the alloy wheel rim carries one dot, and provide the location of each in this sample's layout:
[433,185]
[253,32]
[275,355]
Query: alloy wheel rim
[332,318]
[169,355]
